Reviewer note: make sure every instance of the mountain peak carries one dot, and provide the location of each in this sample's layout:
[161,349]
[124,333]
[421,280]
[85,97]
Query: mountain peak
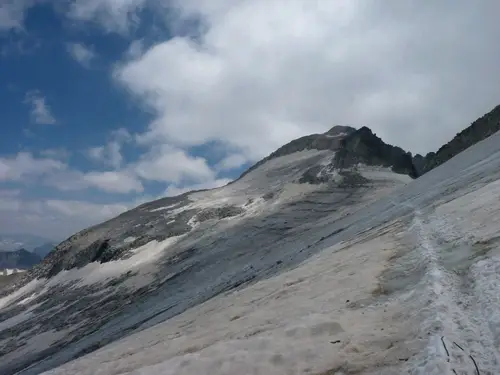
[352,146]
[363,146]
[316,206]
[340,130]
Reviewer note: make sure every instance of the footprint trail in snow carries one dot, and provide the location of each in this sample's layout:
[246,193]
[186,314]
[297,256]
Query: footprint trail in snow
[460,338]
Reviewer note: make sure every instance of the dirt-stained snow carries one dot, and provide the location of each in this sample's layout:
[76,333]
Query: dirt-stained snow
[405,280]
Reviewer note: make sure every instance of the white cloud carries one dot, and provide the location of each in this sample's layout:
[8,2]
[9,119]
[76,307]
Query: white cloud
[172,165]
[59,153]
[118,182]
[40,111]
[113,181]
[12,13]
[54,218]
[111,153]
[81,53]
[232,161]
[268,71]
[91,211]
[9,192]
[57,218]
[121,135]
[135,49]
[113,15]
[24,166]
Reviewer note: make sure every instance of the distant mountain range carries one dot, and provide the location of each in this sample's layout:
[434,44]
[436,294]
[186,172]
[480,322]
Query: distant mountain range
[43,250]
[19,259]
[15,257]
[12,242]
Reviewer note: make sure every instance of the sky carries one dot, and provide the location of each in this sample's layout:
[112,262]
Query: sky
[105,104]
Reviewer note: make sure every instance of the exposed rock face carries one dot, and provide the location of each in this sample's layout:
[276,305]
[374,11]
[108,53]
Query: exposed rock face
[358,247]
[362,146]
[306,196]
[113,240]
[169,255]
[340,130]
[326,141]
[219,213]
[352,147]
[21,259]
[419,163]
[480,129]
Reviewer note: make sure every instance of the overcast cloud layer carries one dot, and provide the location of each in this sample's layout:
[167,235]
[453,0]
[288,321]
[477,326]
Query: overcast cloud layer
[415,72]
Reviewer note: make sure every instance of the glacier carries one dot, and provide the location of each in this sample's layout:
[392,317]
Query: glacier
[380,275]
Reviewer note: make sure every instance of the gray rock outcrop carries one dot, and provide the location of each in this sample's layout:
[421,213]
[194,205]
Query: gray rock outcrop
[480,129]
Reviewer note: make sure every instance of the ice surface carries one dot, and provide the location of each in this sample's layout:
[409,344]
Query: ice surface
[129,239]
[408,284]
[332,314]
[165,207]
[24,291]
[381,173]
[336,135]
[142,261]
[286,323]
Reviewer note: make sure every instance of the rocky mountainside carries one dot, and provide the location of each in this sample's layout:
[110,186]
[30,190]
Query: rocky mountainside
[316,247]
[364,147]
[480,129]
[174,253]
[19,259]
[353,146]
[342,149]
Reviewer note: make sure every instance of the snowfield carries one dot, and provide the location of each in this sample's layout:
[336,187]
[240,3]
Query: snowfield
[400,277]
[389,302]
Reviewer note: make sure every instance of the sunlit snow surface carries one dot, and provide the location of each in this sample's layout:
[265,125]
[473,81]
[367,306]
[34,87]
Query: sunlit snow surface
[317,281]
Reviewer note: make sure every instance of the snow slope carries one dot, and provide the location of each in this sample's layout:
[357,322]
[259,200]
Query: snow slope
[384,278]
[263,224]
[418,295]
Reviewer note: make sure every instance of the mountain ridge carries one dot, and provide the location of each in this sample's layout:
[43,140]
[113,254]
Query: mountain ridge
[16,241]
[18,259]
[352,143]
[165,257]
[480,129]
[350,147]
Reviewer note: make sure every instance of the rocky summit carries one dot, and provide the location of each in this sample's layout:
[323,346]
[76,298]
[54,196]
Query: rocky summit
[328,256]
[352,147]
